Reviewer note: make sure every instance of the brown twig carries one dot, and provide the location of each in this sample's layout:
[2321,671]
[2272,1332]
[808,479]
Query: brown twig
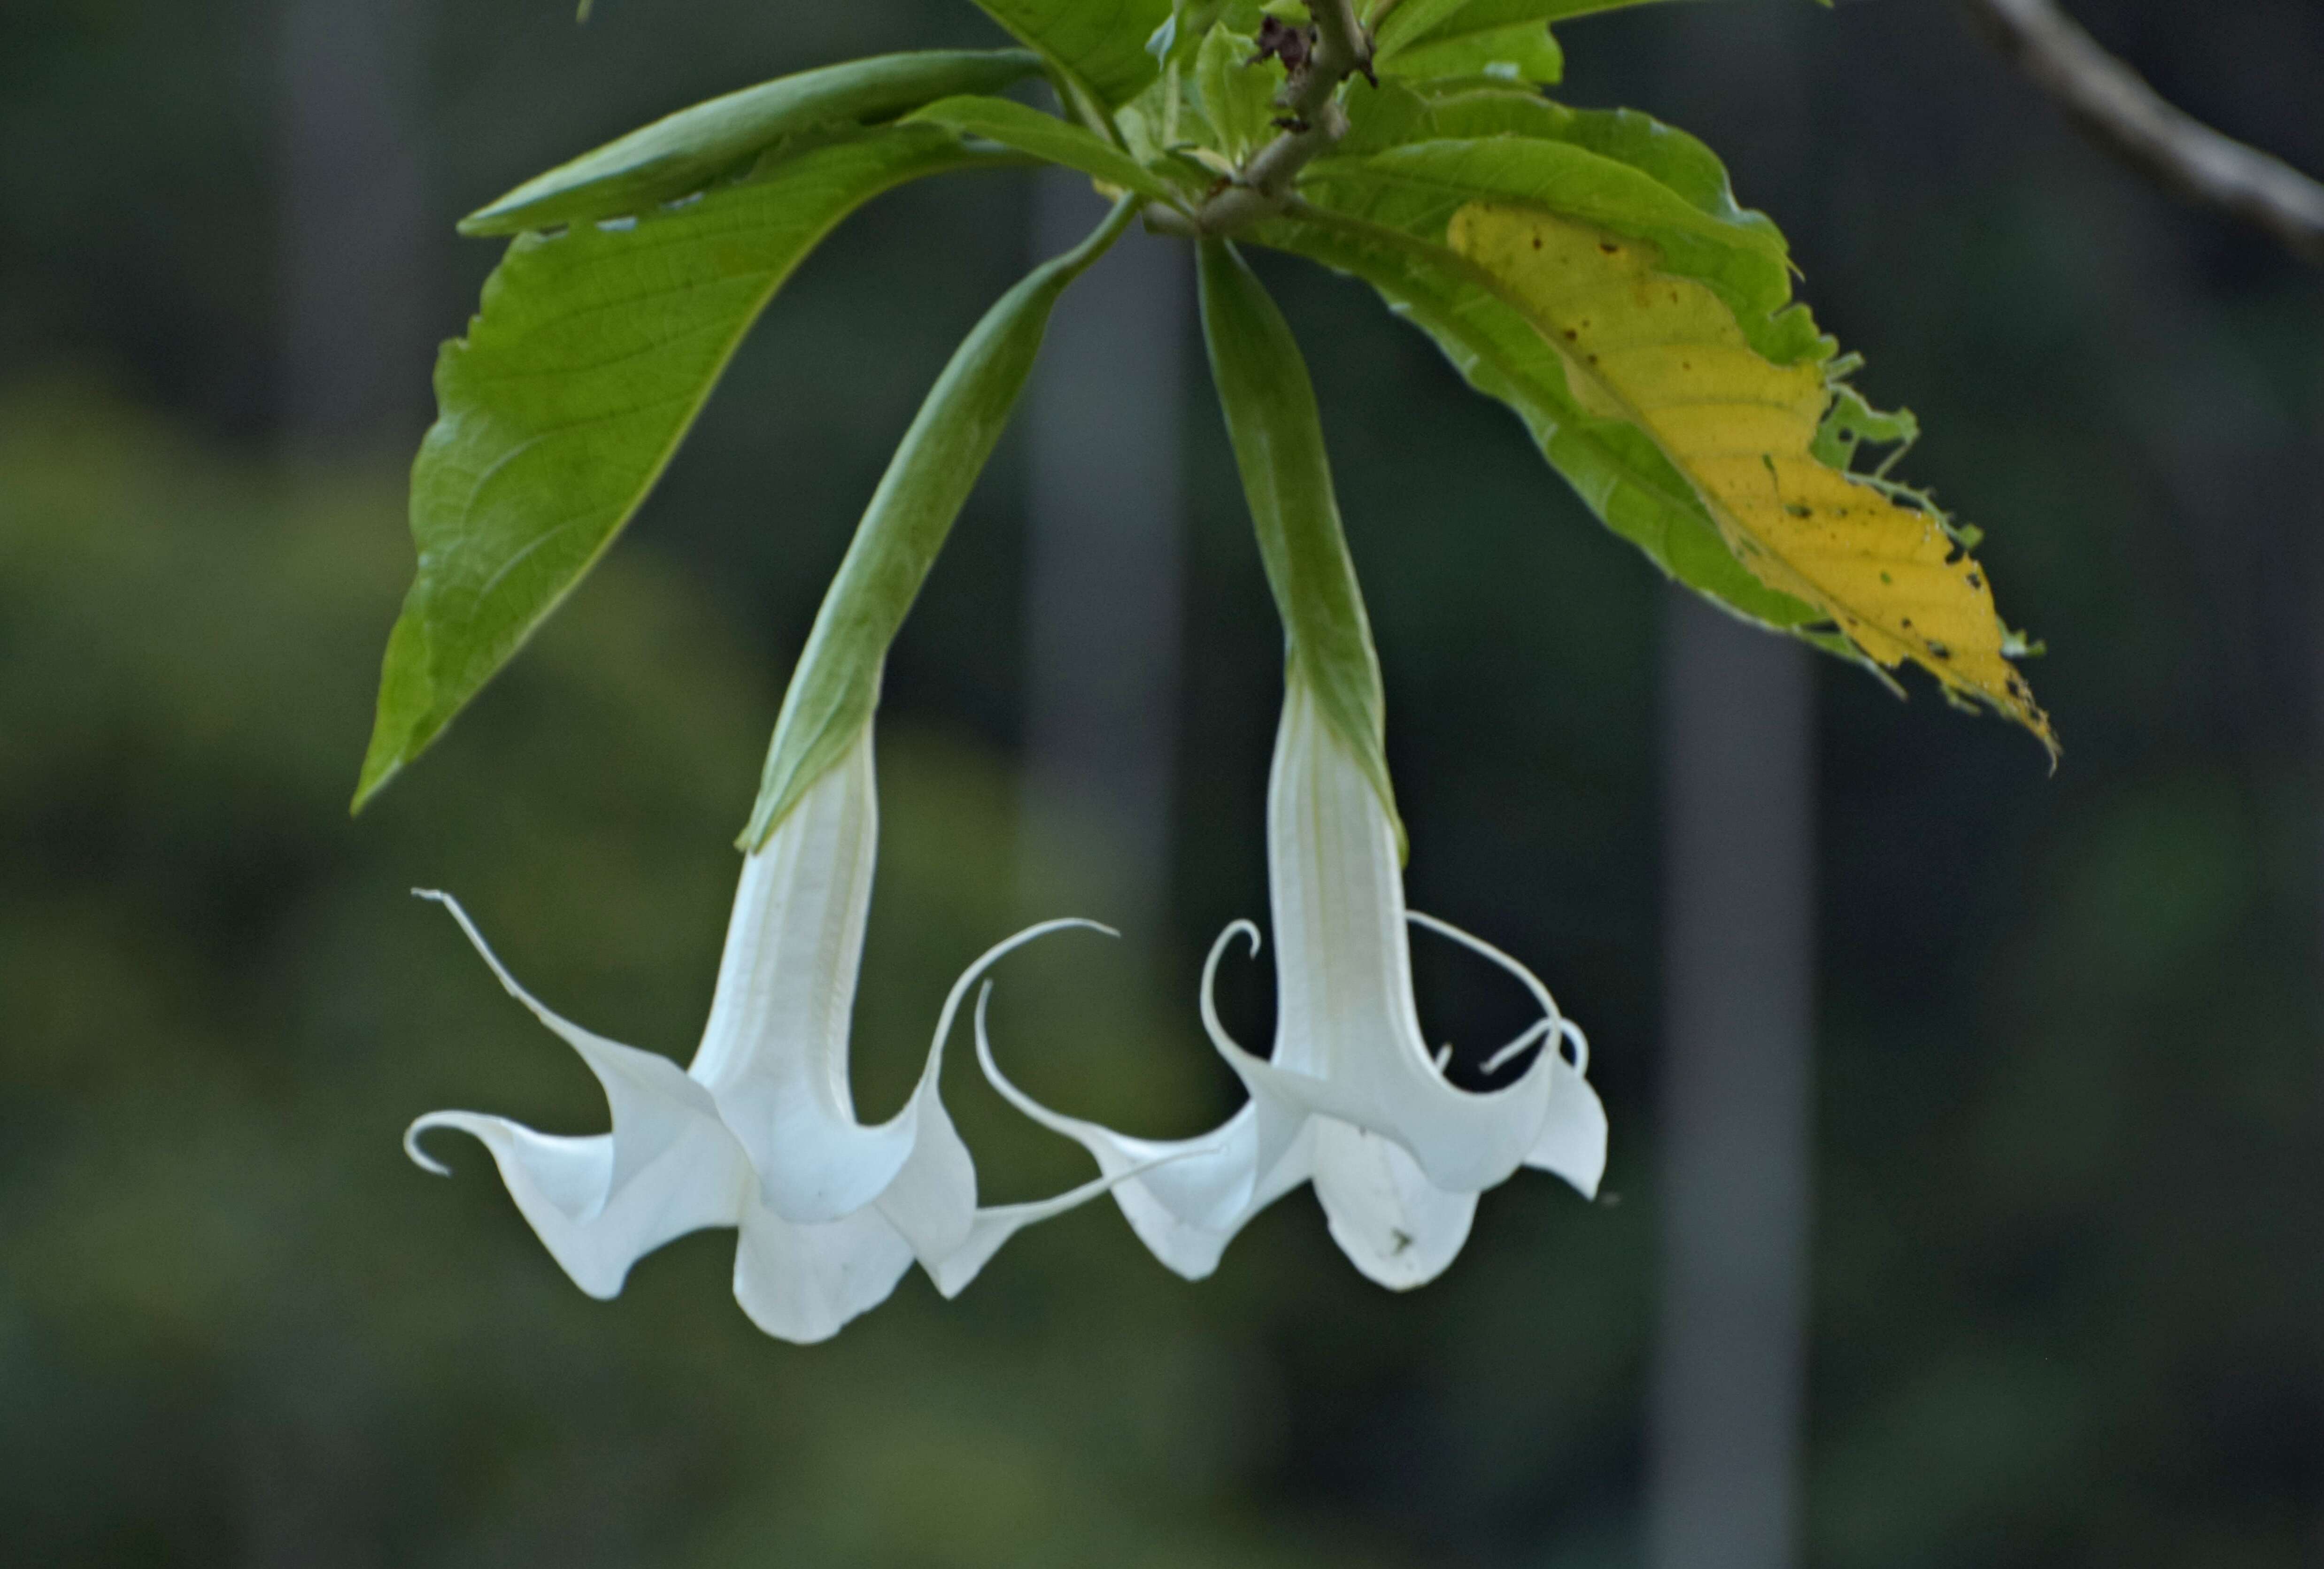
[2132,121]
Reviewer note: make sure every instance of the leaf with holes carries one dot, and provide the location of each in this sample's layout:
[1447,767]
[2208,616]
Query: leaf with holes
[1665,354]
[1613,467]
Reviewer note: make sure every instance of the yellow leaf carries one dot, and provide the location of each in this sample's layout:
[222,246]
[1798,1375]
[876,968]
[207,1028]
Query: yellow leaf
[1666,354]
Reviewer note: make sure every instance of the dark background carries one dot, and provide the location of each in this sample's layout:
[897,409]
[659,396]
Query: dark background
[2069,1280]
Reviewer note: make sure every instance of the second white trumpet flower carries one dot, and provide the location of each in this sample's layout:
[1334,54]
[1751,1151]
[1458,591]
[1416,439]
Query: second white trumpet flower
[1351,1099]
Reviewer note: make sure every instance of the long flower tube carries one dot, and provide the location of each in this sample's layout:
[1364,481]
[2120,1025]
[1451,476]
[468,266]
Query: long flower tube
[759,1133]
[1350,1098]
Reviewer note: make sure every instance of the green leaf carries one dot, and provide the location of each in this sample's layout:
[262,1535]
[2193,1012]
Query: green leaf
[1286,477]
[681,154]
[1414,22]
[1522,52]
[837,685]
[592,354]
[1096,44]
[1617,471]
[1418,21]
[1190,22]
[1238,92]
[1416,187]
[1049,139]
[1397,113]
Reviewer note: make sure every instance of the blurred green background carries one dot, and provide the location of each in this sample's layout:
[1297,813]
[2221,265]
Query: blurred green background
[2069,1263]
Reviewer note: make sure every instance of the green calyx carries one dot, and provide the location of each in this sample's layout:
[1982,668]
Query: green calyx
[837,686]
[1271,418]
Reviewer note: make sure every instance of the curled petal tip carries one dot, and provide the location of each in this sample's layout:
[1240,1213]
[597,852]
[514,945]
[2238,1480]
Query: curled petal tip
[1000,1081]
[1571,1034]
[1539,1028]
[985,961]
[1212,1026]
[419,1157]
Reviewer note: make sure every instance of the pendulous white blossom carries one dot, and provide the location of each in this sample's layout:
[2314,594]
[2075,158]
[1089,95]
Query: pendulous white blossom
[759,1133]
[1351,1099]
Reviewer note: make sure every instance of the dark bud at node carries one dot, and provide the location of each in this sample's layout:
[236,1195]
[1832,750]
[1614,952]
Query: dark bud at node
[1278,40]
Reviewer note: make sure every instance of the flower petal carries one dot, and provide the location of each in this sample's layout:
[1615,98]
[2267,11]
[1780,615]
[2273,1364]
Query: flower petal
[1394,1224]
[632,1079]
[932,1201]
[1185,1199]
[803,1283]
[602,1202]
[593,1228]
[1572,1142]
[998,1222]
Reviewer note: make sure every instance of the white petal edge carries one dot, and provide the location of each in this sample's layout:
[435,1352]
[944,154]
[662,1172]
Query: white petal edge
[803,1283]
[996,1225]
[1396,1226]
[1185,1199]
[601,1202]
[1572,1140]
[932,1201]
[1465,1141]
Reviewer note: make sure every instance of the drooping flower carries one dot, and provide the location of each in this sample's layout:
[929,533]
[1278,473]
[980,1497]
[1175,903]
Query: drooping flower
[1351,1099]
[759,1131]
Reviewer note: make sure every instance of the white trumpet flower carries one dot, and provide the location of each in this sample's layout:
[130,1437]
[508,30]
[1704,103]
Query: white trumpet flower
[1351,1099]
[759,1133]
